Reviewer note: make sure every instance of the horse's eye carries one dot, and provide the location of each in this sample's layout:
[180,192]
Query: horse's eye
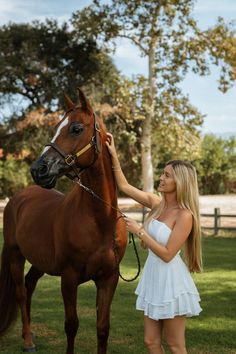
[76,129]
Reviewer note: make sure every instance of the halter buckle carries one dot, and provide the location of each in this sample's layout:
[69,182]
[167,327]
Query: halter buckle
[70,160]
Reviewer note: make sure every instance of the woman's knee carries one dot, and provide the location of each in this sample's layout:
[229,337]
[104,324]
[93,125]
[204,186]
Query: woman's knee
[175,335]
[152,342]
[176,347]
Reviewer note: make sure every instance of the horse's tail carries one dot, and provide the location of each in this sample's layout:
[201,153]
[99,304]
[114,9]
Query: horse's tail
[8,302]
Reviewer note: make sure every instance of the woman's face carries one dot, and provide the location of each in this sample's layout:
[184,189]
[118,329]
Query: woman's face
[167,183]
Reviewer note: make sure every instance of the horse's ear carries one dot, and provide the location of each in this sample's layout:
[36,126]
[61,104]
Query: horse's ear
[68,102]
[84,101]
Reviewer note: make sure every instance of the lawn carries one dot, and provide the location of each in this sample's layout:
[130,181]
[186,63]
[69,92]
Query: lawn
[213,332]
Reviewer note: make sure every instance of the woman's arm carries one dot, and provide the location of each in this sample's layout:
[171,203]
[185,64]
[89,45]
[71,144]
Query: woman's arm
[177,238]
[144,198]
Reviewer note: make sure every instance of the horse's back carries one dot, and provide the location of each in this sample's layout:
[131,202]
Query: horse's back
[31,200]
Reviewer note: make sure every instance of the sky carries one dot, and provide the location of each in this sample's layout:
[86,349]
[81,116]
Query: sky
[219,109]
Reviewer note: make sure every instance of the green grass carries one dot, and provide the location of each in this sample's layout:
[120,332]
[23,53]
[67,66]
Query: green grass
[213,332]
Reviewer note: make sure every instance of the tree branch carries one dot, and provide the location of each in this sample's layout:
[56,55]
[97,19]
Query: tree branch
[135,41]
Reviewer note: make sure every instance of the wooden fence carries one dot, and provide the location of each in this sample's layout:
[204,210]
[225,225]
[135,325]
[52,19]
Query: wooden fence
[217,216]
[216,225]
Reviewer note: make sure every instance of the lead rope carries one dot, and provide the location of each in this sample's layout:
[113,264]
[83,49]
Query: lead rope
[114,245]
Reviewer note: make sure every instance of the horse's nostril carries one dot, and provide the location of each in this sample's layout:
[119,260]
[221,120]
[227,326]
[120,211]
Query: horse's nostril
[43,170]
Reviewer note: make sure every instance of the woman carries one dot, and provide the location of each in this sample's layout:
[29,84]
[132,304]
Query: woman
[166,292]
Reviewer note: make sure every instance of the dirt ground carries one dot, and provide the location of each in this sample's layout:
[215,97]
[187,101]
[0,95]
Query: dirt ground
[226,204]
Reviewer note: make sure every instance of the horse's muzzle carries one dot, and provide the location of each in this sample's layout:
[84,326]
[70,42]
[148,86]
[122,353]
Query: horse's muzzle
[40,172]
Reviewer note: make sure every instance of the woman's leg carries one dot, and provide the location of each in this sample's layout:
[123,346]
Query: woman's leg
[153,335]
[174,330]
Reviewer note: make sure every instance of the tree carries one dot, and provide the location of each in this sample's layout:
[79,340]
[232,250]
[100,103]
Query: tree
[40,61]
[176,133]
[125,119]
[217,165]
[166,33]
[14,175]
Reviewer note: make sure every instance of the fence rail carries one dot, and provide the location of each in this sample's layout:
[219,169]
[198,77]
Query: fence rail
[217,221]
[216,215]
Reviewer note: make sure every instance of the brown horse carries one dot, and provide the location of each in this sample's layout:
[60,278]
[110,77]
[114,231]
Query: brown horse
[71,235]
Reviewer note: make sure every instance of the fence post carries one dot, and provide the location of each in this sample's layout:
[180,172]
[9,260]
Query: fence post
[216,220]
[145,211]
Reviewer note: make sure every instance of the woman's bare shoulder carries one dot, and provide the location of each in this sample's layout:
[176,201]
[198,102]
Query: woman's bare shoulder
[184,215]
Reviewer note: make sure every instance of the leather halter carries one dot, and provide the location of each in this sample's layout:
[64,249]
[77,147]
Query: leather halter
[70,159]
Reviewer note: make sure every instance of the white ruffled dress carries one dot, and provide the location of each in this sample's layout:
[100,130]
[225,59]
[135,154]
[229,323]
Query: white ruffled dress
[166,290]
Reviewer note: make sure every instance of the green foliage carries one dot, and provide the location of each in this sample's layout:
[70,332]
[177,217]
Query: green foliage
[168,36]
[25,137]
[217,165]
[167,31]
[14,176]
[125,122]
[175,128]
[40,61]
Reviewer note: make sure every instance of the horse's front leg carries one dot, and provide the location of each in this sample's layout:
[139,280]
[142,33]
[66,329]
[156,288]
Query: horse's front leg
[105,290]
[69,284]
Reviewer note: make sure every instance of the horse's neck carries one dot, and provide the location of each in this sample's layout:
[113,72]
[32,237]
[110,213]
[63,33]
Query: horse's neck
[99,178]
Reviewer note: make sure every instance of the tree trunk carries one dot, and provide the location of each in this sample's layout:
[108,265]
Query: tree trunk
[146,153]
[147,168]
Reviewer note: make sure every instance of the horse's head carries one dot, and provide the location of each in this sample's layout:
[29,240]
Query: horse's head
[75,144]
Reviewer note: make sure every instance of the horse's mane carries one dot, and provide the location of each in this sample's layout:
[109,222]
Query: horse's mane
[102,127]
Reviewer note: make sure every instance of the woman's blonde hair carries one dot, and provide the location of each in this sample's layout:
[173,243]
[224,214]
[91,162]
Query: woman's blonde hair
[187,198]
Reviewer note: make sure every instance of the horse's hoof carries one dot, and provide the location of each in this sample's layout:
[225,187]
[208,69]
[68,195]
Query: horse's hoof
[29,350]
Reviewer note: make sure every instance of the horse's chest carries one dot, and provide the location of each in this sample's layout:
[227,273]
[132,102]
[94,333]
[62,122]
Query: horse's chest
[92,265]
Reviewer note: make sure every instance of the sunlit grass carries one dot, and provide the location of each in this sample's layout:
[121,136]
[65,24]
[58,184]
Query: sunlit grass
[213,332]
